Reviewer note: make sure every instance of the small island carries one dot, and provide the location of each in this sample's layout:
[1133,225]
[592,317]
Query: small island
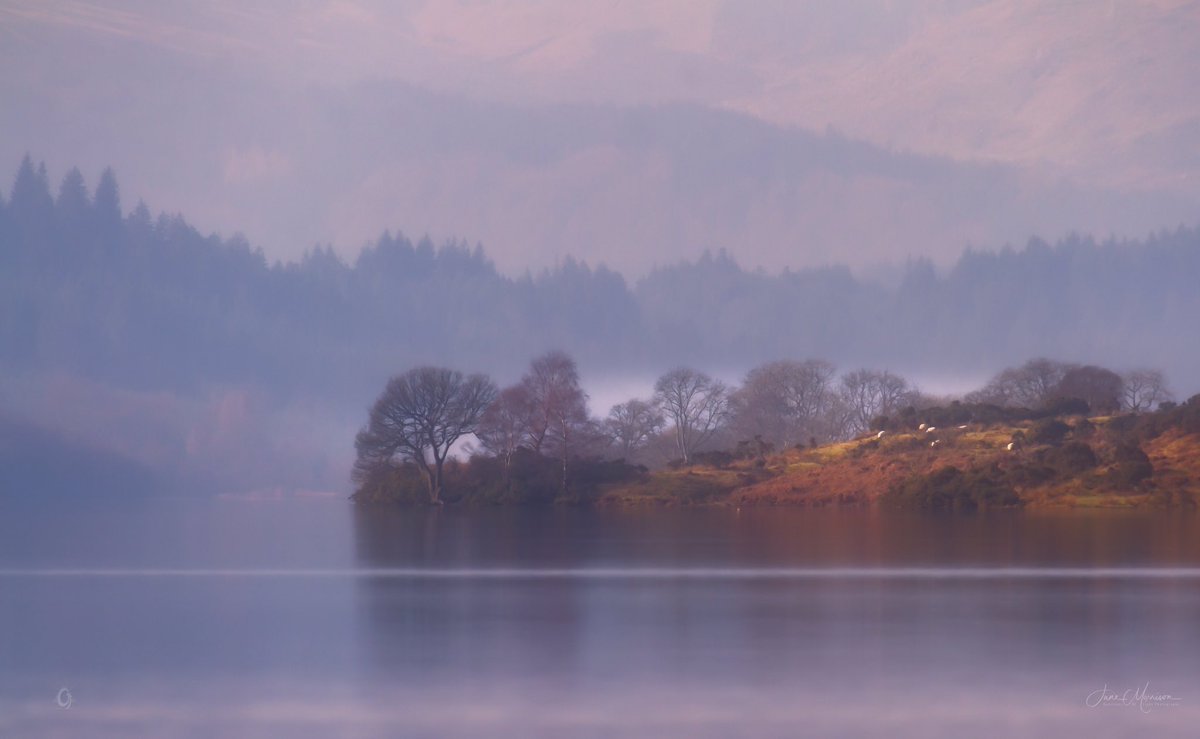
[796,433]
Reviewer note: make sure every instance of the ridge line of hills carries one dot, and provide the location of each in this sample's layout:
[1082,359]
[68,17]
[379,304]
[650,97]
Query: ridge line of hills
[145,302]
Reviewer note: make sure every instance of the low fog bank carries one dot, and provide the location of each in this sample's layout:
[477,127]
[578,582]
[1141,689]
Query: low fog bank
[63,435]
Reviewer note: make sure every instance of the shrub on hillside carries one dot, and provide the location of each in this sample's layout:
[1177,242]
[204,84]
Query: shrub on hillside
[1064,407]
[1049,431]
[951,489]
[1070,459]
[717,458]
[1131,465]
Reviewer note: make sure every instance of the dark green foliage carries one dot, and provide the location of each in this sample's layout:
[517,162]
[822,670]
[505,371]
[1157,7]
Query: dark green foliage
[951,489]
[1049,431]
[389,482]
[1030,473]
[1139,428]
[1131,465]
[1083,429]
[691,489]
[1184,417]
[1123,427]
[756,448]
[1072,458]
[1187,416]
[718,459]
[1064,406]
[531,479]
[534,479]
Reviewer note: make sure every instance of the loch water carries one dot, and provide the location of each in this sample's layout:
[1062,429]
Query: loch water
[313,617]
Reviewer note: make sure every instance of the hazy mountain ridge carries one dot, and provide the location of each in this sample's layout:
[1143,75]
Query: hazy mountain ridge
[153,303]
[293,164]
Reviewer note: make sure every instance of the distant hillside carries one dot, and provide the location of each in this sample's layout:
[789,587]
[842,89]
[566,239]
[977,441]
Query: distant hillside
[1090,88]
[141,302]
[37,465]
[639,186]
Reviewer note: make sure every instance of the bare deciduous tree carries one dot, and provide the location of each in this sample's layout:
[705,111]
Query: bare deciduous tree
[632,424]
[785,402]
[505,425]
[419,416]
[695,403]
[1144,389]
[1029,386]
[867,394]
[559,420]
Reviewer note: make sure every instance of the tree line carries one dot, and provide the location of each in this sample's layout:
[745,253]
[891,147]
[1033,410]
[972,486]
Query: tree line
[121,296]
[537,440]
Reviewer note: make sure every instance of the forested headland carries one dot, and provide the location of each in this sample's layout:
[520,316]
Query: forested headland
[794,432]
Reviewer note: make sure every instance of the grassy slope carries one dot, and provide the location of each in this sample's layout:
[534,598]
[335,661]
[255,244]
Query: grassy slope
[859,472]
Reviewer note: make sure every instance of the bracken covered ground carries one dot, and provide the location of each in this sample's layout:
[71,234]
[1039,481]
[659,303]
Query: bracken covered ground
[1084,469]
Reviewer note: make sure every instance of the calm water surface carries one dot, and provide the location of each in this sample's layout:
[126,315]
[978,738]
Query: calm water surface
[311,618]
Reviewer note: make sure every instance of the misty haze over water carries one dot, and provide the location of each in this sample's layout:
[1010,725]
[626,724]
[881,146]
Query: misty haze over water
[308,617]
[224,226]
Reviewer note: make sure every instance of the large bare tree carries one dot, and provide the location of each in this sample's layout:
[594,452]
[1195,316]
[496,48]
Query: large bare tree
[1144,389]
[1031,385]
[696,404]
[419,416]
[867,394]
[785,402]
[631,425]
[505,425]
[559,421]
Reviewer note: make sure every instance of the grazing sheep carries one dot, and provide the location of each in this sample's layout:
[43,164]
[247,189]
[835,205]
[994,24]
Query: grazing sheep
[1011,446]
[960,428]
[880,434]
[922,427]
[933,444]
[931,429]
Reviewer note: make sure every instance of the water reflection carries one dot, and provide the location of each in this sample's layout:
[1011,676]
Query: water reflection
[387,537]
[315,619]
[783,653]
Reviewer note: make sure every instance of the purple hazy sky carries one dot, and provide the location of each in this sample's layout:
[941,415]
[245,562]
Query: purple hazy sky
[306,122]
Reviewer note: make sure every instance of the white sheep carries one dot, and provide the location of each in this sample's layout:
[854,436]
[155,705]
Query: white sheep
[880,434]
[921,427]
[931,429]
[1011,446]
[960,428]
[933,444]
